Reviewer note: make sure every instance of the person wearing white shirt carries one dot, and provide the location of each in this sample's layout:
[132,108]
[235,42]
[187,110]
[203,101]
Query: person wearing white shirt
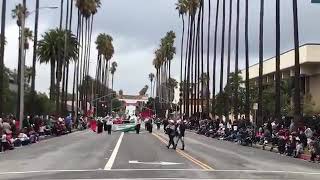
[138,123]
[109,124]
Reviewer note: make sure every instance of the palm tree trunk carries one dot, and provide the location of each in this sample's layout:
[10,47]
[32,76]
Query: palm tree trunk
[202,60]
[181,64]
[277,74]
[186,71]
[215,60]
[208,59]
[247,104]
[3,27]
[236,93]
[260,106]
[228,90]
[189,64]
[197,67]
[34,58]
[75,71]
[229,41]
[297,104]
[222,47]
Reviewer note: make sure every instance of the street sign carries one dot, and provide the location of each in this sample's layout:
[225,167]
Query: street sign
[315,1]
[255,106]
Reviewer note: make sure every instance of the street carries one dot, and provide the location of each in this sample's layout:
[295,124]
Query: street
[87,155]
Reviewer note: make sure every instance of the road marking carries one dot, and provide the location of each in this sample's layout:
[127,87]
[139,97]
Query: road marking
[155,163]
[195,170]
[186,155]
[110,162]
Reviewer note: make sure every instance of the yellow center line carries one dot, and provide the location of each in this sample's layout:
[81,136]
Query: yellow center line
[186,155]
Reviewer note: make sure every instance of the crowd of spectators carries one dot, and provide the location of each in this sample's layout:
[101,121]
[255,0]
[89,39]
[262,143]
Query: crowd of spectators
[283,135]
[32,130]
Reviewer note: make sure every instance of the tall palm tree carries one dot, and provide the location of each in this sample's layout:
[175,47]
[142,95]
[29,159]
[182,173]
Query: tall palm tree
[260,81]
[181,6]
[222,45]
[35,42]
[229,40]
[53,41]
[236,95]
[208,58]
[215,59]
[247,101]
[2,43]
[113,69]
[151,78]
[297,104]
[277,73]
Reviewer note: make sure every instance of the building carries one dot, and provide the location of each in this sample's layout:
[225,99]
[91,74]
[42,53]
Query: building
[132,101]
[309,70]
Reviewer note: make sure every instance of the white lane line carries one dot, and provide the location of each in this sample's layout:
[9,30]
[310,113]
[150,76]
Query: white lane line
[110,162]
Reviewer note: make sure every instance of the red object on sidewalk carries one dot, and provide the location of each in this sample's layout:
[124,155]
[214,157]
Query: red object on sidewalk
[93,125]
[17,124]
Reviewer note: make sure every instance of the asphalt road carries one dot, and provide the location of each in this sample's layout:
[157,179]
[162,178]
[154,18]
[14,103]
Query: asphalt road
[87,155]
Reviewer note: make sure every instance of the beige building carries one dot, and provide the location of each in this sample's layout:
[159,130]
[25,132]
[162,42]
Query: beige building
[309,70]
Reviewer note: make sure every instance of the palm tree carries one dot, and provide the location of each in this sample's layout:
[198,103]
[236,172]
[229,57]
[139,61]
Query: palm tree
[297,104]
[277,74]
[52,42]
[236,94]
[181,6]
[208,58]
[222,45]
[192,10]
[151,78]
[113,69]
[2,43]
[247,101]
[229,41]
[260,107]
[215,59]
[34,58]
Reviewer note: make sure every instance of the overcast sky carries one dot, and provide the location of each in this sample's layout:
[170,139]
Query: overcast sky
[138,25]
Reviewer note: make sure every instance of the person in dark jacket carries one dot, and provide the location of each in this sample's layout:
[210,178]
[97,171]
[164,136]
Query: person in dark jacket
[181,128]
[171,131]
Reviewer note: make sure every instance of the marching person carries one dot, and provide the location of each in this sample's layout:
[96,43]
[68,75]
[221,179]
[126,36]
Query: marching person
[171,131]
[181,128]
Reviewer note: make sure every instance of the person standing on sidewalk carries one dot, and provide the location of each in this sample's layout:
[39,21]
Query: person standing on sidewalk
[181,128]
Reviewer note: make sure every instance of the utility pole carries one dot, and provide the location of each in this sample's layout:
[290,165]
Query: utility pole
[22,66]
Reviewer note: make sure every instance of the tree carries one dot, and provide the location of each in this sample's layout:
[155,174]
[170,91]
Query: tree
[296,99]
[35,44]
[277,73]
[144,90]
[181,6]
[260,80]
[247,84]
[151,78]
[222,46]
[236,67]
[2,44]
[52,42]
[215,59]
[113,69]
[208,58]
[172,84]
